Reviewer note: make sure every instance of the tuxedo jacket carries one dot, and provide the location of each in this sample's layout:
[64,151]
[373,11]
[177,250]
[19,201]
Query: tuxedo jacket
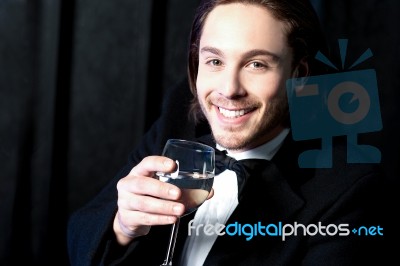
[280,193]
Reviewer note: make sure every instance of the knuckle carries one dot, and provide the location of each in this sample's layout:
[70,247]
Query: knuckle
[167,206]
[138,204]
[146,219]
[120,184]
[120,203]
[137,182]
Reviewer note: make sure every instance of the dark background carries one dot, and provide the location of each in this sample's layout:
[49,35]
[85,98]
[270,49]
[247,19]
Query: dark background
[76,78]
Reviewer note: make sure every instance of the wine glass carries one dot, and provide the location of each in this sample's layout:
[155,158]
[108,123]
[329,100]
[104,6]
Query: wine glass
[194,176]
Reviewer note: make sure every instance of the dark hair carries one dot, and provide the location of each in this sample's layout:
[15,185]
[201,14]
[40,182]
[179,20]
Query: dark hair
[304,35]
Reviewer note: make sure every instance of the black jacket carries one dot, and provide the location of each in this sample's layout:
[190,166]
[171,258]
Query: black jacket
[282,193]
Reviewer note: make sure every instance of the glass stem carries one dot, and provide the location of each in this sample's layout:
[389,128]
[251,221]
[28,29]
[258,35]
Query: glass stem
[171,245]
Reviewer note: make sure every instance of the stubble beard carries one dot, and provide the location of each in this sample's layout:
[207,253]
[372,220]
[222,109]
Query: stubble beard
[233,139]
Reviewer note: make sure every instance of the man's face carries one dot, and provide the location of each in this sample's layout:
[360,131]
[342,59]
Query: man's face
[244,61]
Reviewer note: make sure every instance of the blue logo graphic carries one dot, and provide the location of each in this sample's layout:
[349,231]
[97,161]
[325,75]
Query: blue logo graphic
[339,104]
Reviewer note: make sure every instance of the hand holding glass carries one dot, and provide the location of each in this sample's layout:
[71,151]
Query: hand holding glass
[194,176]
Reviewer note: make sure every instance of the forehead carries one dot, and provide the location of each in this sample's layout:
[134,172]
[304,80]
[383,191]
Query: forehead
[244,25]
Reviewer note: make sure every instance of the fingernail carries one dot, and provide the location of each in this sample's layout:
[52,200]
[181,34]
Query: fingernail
[168,163]
[173,192]
[171,219]
[177,209]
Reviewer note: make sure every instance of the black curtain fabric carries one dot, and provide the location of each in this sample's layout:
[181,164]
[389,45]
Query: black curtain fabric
[82,80]
[75,81]
[374,24]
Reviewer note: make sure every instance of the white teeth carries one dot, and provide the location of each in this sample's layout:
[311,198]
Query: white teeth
[231,114]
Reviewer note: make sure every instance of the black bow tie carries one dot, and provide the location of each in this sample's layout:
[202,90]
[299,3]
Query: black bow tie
[242,168]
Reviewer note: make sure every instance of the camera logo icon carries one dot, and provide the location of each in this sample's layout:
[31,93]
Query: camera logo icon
[339,104]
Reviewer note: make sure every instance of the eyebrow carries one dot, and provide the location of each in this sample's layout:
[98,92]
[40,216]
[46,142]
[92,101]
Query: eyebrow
[255,52]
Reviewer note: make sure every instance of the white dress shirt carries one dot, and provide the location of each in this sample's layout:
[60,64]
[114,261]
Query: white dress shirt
[219,208]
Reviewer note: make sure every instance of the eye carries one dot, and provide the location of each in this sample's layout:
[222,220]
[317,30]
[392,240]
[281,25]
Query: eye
[215,62]
[257,65]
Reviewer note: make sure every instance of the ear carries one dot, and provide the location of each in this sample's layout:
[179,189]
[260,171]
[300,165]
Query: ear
[302,69]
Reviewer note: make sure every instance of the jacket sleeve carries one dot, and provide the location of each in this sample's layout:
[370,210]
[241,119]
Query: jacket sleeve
[89,232]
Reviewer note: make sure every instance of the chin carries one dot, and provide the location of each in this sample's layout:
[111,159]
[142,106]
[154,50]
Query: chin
[229,140]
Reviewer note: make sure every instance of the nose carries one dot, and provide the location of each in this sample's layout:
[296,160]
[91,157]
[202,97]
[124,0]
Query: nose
[232,86]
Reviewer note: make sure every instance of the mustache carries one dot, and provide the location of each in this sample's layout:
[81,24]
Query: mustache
[235,103]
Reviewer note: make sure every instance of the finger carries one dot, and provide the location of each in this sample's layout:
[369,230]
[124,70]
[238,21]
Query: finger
[151,164]
[150,205]
[129,230]
[211,194]
[133,220]
[144,185]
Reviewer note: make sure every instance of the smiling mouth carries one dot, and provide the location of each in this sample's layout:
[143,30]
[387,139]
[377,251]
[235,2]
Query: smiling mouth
[233,113]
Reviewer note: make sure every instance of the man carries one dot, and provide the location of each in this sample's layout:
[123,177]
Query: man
[241,54]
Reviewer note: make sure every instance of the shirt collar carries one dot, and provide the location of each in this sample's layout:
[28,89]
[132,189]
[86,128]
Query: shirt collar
[265,151]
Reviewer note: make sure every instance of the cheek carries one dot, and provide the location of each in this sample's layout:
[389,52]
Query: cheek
[267,87]
[201,91]
[199,87]
[204,84]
